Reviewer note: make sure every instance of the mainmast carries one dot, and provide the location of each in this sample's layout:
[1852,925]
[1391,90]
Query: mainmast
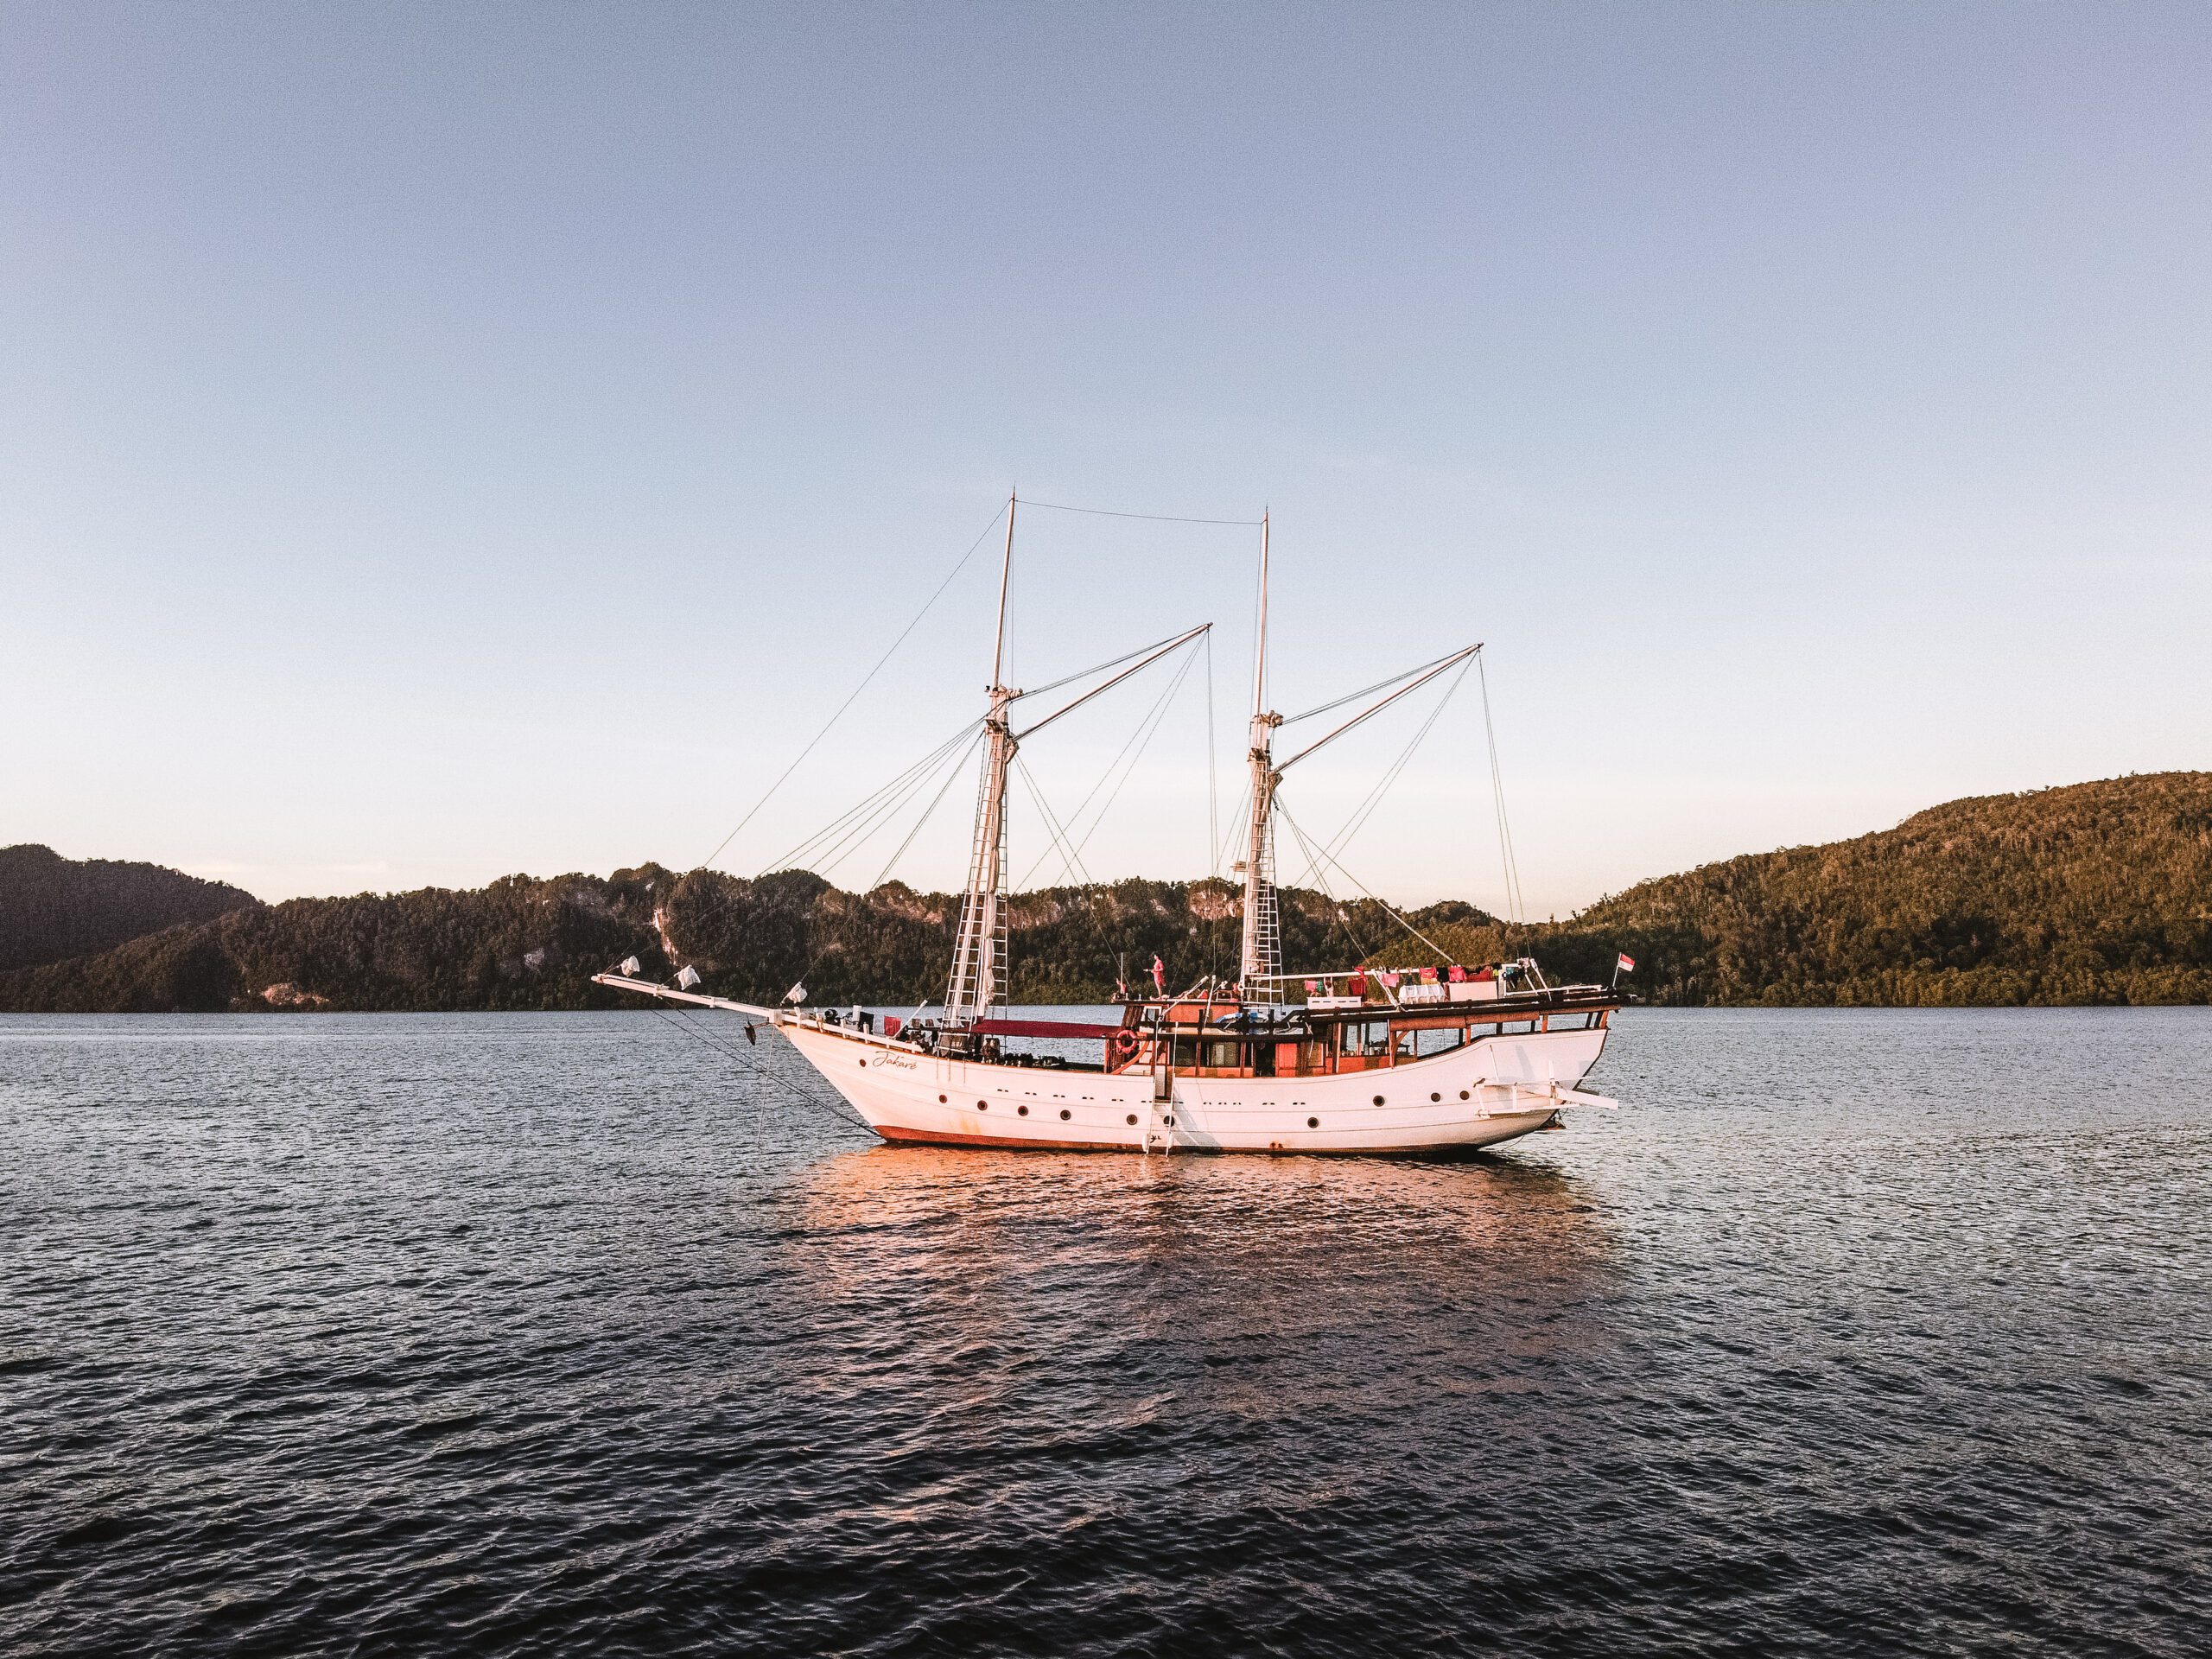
[1262,954]
[979,954]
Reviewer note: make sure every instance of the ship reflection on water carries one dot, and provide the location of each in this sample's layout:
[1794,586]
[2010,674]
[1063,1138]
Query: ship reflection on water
[1213,1292]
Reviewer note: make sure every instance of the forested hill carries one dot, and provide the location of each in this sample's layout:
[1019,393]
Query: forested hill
[2098,893]
[2094,893]
[524,942]
[52,907]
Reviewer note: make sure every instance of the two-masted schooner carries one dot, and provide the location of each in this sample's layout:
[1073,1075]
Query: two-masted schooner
[1344,1060]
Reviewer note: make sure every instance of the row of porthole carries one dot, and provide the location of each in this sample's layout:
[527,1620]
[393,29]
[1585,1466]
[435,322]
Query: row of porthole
[1310,1122]
[1022,1111]
[985,1106]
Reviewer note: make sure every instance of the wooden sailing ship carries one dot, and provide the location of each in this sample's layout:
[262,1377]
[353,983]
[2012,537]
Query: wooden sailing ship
[1348,1060]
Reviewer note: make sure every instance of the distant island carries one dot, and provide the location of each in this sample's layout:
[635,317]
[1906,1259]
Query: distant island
[2094,893]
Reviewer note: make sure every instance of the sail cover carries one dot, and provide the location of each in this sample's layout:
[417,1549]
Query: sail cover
[1041,1029]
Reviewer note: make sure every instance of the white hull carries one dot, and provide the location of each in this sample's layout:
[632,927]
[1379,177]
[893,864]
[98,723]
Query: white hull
[1486,1091]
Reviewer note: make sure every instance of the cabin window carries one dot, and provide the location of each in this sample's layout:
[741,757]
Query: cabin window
[1369,1037]
[1211,1052]
[1441,1040]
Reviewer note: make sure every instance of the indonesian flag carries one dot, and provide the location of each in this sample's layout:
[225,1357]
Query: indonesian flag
[1626,964]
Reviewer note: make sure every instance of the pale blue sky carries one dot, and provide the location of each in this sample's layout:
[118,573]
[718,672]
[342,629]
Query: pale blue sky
[441,441]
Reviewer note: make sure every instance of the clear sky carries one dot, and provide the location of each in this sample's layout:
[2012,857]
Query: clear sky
[446,440]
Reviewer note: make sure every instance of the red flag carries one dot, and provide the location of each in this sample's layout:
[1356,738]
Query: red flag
[1626,964]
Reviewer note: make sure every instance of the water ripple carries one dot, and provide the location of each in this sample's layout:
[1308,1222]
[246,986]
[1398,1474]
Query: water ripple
[1859,1332]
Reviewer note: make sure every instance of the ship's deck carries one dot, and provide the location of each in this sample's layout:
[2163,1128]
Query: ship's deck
[1225,1036]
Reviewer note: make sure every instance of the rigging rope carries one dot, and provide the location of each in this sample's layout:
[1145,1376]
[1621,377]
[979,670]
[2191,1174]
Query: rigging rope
[829,857]
[1361,951]
[1072,863]
[928,764]
[719,903]
[1354,696]
[1150,730]
[1367,807]
[825,945]
[1140,740]
[1155,517]
[853,828]
[1513,895]
[815,741]
[1441,952]
[684,1022]
[1239,819]
[1213,786]
[929,812]
[1085,674]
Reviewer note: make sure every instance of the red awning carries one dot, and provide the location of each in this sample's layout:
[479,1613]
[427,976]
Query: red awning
[1041,1029]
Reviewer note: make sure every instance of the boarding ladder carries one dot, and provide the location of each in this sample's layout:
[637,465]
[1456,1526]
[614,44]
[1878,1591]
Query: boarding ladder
[1159,1111]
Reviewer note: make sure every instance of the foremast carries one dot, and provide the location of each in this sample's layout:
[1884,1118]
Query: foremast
[1260,958]
[978,980]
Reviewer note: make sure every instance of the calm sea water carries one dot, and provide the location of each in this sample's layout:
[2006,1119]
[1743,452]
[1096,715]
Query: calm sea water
[1856,1332]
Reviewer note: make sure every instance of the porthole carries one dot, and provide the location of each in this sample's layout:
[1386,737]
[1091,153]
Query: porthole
[1133,1120]
[1169,1122]
[1436,1096]
[1024,1110]
[983,1105]
[864,1066]
[1312,1122]
[1063,1114]
[1378,1100]
[940,1101]
[1463,1094]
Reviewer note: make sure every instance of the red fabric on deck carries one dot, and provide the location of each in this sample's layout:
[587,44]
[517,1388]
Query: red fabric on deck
[1041,1029]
